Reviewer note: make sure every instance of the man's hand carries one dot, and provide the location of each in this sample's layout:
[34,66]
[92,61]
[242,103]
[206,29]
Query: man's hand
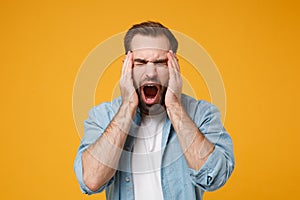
[195,146]
[173,95]
[100,161]
[128,92]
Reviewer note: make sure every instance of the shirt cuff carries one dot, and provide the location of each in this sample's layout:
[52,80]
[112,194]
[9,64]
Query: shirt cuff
[214,173]
[78,172]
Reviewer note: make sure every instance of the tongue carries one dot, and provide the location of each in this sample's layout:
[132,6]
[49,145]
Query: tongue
[150,91]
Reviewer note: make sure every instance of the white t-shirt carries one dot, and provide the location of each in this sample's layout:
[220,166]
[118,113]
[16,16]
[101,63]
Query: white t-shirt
[146,159]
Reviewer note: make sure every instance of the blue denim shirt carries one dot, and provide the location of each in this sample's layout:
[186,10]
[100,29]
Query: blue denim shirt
[177,179]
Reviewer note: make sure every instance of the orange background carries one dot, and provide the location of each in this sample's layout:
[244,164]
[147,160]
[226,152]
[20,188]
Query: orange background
[255,45]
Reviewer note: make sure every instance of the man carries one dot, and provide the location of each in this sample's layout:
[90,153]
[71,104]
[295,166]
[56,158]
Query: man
[153,142]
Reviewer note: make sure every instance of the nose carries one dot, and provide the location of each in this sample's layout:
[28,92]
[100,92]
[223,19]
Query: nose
[151,70]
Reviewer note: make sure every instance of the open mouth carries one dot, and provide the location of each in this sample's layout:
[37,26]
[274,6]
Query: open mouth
[150,93]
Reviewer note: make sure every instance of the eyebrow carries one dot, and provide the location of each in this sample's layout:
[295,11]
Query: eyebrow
[146,61]
[140,60]
[160,61]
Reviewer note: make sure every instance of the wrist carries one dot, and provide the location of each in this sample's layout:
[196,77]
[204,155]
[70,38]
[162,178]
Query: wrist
[173,102]
[128,109]
[175,106]
[124,117]
[179,117]
[174,111]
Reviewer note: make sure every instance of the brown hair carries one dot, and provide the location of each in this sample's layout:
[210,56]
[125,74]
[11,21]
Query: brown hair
[150,28]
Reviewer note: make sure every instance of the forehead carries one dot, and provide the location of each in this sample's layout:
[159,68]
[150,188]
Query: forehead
[149,47]
[149,42]
[150,54]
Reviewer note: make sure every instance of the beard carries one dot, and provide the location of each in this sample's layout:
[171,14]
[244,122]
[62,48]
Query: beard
[154,108]
[151,100]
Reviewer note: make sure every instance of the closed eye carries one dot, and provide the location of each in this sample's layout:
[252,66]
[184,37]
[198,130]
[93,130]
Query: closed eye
[161,62]
[139,61]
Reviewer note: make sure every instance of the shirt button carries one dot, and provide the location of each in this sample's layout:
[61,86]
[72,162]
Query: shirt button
[127,179]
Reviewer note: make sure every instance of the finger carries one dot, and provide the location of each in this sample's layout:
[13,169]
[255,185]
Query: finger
[174,60]
[170,64]
[175,80]
[173,70]
[129,64]
[176,68]
[171,59]
[126,63]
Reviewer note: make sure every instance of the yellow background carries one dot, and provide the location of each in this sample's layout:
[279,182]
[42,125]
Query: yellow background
[255,45]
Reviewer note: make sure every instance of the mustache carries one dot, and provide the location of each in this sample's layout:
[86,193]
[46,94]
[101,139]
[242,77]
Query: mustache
[147,79]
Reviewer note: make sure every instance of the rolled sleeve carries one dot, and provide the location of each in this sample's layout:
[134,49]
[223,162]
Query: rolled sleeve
[78,173]
[214,173]
[220,164]
[93,129]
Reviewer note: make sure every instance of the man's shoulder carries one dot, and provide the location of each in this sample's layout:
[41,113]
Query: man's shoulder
[108,107]
[198,110]
[192,103]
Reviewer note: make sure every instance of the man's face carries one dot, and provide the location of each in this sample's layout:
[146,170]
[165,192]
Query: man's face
[150,71]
